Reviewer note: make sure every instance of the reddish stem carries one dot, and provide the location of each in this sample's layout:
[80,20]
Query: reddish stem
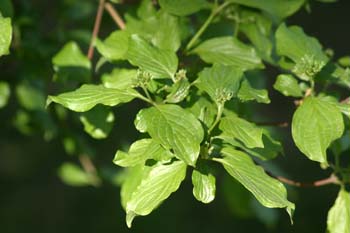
[96,29]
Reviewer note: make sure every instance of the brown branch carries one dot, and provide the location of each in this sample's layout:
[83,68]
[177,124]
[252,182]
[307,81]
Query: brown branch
[115,15]
[330,180]
[96,29]
[90,169]
[277,124]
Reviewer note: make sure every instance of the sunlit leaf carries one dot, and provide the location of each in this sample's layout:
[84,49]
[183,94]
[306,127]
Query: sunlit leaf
[316,124]
[5,35]
[248,93]
[115,46]
[203,184]
[220,80]
[182,7]
[161,181]
[305,51]
[288,85]
[140,151]
[160,63]
[87,96]
[338,220]
[229,51]
[242,130]
[268,191]
[175,129]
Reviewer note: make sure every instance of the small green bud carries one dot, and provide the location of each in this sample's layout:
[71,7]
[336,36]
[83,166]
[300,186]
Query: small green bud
[308,67]
[221,96]
[181,74]
[142,78]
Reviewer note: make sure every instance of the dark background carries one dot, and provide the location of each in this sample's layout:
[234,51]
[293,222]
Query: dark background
[32,197]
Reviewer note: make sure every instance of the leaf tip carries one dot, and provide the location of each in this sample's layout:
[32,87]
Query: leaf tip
[129,218]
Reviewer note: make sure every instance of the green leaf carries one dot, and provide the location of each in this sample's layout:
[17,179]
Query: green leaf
[160,63]
[343,107]
[98,122]
[278,9]
[174,128]
[344,61]
[182,7]
[71,56]
[30,97]
[115,46]
[272,148]
[120,78]
[157,29]
[140,151]
[220,80]
[179,91]
[146,9]
[229,51]
[316,124]
[268,191]
[240,129]
[288,85]
[166,25]
[338,220]
[73,175]
[203,109]
[248,93]
[161,181]
[5,35]
[4,93]
[134,177]
[87,96]
[257,28]
[306,52]
[203,184]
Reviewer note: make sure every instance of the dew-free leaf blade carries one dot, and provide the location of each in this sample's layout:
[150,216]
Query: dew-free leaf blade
[278,9]
[182,7]
[160,63]
[229,51]
[203,184]
[174,128]
[120,78]
[4,93]
[5,35]
[220,79]
[246,132]
[88,96]
[161,181]
[71,56]
[98,122]
[268,191]
[316,124]
[272,147]
[248,93]
[115,46]
[288,85]
[140,151]
[305,51]
[338,220]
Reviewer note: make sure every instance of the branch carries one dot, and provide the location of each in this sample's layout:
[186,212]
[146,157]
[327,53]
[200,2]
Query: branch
[330,180]
[283,124]
[96,29]
[90,169]
[115,15]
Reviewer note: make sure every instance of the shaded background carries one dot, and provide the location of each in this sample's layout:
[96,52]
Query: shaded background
[32,197]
